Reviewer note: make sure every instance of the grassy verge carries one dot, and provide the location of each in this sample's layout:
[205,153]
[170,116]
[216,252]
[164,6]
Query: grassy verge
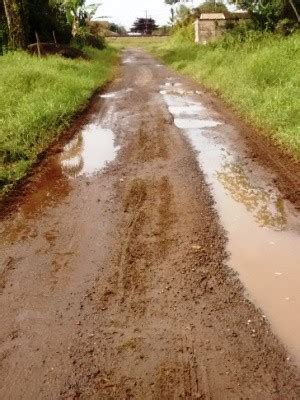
[136,41]
[38,98]
[258,75]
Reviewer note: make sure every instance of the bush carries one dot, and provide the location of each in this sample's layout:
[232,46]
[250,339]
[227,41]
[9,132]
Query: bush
[286,27]
[85,38]
[183,34]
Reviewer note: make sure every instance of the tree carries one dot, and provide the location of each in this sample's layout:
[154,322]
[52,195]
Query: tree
[3,30]
[121,30]
[22,18]
[266,13]
[46,17]
[77,12]
[295,6]
[15,17]
[145,26]
[211,6]
[172,3]
[185,15]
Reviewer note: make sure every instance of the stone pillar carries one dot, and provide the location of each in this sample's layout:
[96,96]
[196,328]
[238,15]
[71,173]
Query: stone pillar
[197,30]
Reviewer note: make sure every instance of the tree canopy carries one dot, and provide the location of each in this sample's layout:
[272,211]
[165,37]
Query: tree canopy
[267,13]
[145,26]
[211,6]
[22,18]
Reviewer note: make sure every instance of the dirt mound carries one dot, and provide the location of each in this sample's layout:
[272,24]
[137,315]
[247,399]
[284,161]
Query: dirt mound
[59,49]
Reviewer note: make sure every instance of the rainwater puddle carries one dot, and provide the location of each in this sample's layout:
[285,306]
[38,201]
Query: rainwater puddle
[110,95]
[186,110]
[263,229]
[119,94]
[176,88]
[129,60]
[89,151]
[194,123]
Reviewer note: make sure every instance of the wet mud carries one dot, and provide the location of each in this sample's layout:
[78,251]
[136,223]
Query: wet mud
[118,275]
[263,227]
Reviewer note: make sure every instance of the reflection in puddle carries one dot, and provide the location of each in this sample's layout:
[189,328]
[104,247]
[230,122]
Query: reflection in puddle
[175,88]
[263,229]
[108,95]
[267,208]
[129,60]
[183,110]
[89,152]
[195,123]
[119,94]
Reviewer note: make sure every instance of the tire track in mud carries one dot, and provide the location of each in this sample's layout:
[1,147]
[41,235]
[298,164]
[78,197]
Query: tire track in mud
[161,317]
[172,317]
[128,295]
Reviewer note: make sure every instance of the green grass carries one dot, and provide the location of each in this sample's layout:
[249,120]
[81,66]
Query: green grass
[136,41]
[38,98]
[259,76]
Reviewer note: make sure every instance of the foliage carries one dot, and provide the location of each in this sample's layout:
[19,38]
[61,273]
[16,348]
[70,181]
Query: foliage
[85,38]
[184,33]
[45,18]
[15,17]
[172,2]
[163,30]
[3,30]
[77,12]
[42,16]
[136,41]
[264,87]
[185,16]
[38,98]
[145,26]
[286,27]
[266,14]
[210,6]
[121,30]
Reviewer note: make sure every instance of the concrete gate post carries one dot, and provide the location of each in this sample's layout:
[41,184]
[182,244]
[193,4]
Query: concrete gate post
[197,30]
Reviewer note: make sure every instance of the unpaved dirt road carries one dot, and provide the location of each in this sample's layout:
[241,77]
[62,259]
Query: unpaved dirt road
[114,284]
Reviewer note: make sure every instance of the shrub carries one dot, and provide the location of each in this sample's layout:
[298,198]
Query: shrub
[85,38]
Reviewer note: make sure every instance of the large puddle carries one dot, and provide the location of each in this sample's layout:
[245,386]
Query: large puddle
[263,229]
[89,151]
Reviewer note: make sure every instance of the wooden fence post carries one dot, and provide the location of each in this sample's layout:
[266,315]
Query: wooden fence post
[38,44]
[54,37]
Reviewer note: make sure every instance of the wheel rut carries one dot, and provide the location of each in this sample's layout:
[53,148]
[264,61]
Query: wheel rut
[124,291]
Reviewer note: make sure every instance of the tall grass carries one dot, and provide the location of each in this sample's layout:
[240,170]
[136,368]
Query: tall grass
[37,99]
[259,74]
[136,41]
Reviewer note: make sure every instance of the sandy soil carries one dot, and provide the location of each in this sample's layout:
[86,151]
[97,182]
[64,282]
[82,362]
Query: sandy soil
[115,285]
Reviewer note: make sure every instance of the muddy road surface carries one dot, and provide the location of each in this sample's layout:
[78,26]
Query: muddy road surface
[116,278]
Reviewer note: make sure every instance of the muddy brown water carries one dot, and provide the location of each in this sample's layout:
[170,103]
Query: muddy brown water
[114,278]
[263,228]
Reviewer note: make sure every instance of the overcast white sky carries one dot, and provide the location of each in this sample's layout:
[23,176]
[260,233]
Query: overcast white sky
[124,12]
